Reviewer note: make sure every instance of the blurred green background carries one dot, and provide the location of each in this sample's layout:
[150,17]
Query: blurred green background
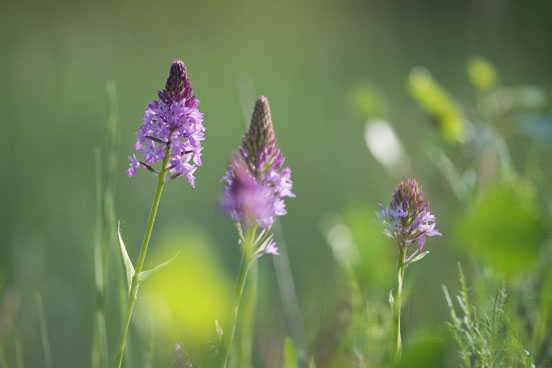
[326,67]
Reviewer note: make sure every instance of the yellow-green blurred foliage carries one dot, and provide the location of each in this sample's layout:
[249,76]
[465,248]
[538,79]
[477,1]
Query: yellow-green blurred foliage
[186,297]
[482,73]
[438,103]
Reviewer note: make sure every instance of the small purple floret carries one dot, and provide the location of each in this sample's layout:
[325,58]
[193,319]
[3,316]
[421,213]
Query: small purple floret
[407,218]
[172,126]
[245,199]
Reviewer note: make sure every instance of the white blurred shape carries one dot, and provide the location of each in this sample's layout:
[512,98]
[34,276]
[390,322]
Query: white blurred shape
[385,146]
[340,239]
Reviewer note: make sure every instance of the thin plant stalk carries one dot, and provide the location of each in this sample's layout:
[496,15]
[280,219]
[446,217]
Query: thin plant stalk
[240,285]
[48,363]
[99,344]
[397,306]
[105,228]
[286,286]
[135,278]
[408,221]
[18,351]
[248,318]
[3,363]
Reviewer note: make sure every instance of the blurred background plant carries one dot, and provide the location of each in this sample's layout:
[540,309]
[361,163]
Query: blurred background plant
[354,115]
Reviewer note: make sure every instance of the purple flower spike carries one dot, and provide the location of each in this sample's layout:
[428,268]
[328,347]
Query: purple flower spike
[257,171]
[407,218]
[172,126]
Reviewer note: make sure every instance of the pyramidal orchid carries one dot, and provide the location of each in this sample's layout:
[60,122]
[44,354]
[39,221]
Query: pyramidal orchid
[406,220]
[172,130]
[171,134]
[254,190]
[255,184]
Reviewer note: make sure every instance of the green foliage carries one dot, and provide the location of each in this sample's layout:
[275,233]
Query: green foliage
[484,332]
[290,355]
[375,263]
[427,352]
[3,363]
[367,101]
[503,228]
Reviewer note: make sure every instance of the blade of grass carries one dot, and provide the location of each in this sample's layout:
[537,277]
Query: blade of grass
[286,286]
[99,354]
[540,329]
[113,138]
[18,351]
[3,363]
[46,350]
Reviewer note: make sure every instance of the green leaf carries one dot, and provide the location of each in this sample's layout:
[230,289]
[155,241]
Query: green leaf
[418,257]
[145,274]
[126,259]
[290,355]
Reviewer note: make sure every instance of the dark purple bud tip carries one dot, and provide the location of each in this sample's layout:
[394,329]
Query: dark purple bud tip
[259,143]
[178,86]
[261,119]
[177,78]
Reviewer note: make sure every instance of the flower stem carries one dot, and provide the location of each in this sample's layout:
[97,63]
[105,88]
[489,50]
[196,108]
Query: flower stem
[247,318]
[397,306]
[240,284]
[136,278]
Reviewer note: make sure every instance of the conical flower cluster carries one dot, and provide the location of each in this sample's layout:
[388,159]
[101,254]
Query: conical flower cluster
[255,184]
[172,126]
[407,218]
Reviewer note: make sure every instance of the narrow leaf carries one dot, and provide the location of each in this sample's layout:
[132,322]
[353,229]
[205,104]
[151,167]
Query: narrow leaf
[145,274]
[44,334]
[418,257]
[126,259]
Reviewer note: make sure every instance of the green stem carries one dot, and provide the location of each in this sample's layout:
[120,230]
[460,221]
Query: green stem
[240,284]
[135,279]
[247,318]
[397,306]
